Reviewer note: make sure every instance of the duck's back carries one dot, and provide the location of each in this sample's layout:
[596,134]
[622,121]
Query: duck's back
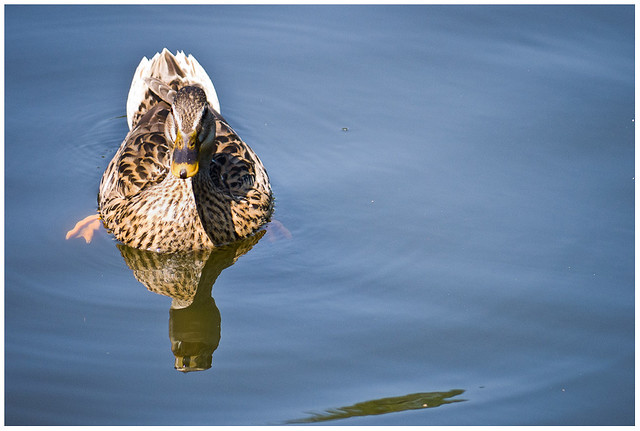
[176,71]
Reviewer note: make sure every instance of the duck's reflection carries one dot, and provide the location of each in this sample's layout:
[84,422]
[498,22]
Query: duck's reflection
[188,278]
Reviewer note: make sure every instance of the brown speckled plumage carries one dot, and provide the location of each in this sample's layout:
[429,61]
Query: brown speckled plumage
[144,205]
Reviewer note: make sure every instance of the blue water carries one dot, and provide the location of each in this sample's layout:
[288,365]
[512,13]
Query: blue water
[458,182]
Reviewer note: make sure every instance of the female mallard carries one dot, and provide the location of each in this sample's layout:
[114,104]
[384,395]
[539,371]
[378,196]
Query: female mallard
[182,179]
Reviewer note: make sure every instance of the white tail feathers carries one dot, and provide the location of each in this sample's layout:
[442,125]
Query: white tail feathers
[167,67]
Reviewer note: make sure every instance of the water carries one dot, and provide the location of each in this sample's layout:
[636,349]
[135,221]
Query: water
[458,182]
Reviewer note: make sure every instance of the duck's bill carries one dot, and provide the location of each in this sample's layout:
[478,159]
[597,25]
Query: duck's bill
[185,159]
[184,170]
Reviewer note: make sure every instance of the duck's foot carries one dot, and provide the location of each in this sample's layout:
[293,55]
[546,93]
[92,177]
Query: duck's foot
[85,228]
[276,230]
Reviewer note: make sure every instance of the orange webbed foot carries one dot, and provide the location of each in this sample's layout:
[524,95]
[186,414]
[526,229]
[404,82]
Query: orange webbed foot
[85,228]
[276,231]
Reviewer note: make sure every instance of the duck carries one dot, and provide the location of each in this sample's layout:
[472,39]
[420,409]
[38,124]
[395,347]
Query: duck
[182,179]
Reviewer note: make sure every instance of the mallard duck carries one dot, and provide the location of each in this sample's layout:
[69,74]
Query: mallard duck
[182,178]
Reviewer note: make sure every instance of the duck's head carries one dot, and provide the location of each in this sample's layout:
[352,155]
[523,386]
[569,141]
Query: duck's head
[191,127]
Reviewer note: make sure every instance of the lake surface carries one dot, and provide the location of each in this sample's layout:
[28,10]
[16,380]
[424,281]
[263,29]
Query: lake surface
[458,183]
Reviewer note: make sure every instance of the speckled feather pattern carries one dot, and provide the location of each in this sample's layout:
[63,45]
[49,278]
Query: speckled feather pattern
[147,207]
[180,275]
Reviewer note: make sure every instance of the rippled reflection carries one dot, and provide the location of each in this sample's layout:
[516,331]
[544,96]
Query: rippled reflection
[420,400]
[188,278]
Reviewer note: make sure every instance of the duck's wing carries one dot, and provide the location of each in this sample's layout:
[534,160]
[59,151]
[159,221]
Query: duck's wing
[142,160]
[232,175]
[234,165]
[155,79]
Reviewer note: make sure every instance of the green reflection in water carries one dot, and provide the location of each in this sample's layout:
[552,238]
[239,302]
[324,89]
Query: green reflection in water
[420,400]
[188,279]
